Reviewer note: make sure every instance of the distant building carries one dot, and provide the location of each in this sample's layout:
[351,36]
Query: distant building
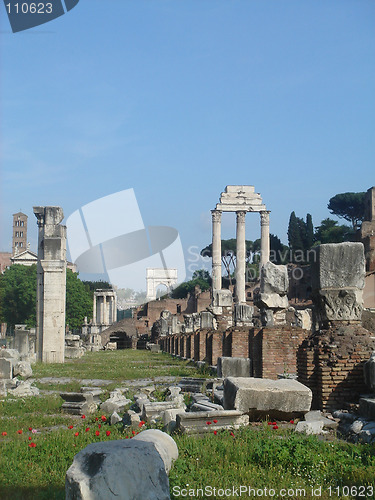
[19,235]
[4,261]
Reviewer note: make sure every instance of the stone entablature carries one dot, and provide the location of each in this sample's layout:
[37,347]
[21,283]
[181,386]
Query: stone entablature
[244,198]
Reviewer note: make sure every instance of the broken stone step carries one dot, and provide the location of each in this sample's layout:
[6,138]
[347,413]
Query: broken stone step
[79,408]
[192,384]
[206,406]
[198,397]
[153,411]
[196,422]
[367,408]
[77,397]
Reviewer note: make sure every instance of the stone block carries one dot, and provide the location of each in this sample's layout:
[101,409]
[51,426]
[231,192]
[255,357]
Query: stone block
[207,320]
[74,352]
[222,298]
[313,427]
[339,305]
[192,384]
[338,265]
[6,368]
[367,407]
[259,398]
[243,314]
[116,402]
[233,367]
[169,418]
[115,418]
[11,354]
[154,411]
[316,416]
[303,319]
[206,406]
[274,279]
[369,372]
[196,423]
[155,348]
[23,369]
[25,389]
[94,391]
[78,403]
[123,469]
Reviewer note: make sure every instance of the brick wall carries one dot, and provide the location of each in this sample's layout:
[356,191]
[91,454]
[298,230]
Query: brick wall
[330,362]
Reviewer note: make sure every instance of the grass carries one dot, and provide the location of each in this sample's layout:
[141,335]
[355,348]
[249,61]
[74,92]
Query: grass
[260,456]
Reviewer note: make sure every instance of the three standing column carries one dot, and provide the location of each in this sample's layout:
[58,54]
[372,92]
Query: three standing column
[216,250]
[241,257]
[264,237]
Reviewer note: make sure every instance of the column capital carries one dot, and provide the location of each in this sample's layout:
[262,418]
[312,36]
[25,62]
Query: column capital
[265,218]
[216,215]
[240,215]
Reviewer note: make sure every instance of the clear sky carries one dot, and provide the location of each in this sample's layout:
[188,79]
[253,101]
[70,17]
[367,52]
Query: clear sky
[178,98]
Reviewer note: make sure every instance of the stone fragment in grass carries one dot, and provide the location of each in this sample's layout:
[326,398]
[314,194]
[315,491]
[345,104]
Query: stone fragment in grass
[11,354]
[196,422]
[154,411]
[123,469]
[23,369]
[6,368]
[115,418]
[116,402]
[24,389]
[314,427]
[258,397]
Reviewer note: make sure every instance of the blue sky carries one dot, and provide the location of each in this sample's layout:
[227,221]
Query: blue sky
[178,98]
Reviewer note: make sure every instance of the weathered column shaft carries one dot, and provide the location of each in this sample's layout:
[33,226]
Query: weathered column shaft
[216,250]
[264,237]
[241,257]
[94,311]
[51,285]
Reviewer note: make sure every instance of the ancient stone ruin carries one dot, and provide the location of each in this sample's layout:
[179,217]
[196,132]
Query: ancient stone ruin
[51,284]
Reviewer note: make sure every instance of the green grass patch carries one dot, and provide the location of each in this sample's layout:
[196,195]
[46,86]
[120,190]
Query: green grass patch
[119,365]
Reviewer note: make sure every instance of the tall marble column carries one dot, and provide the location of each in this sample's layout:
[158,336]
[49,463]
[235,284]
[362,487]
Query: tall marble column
[264,237]
[241,257]
[94,311]
[216,250]
[51,285]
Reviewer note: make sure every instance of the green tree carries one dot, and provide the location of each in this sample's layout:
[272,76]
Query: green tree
[295,232]
[349,206]
[79,302]
[309,236]
[329,231]
[200,278]
[18,295]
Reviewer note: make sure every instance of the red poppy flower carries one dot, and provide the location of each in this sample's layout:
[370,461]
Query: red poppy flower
[87,429]
[30,438]
[232,434]
[76,434]
[274,423]
[215,421]
[32,445]
[275,427]
[4,433]
[99,426]
[141,423]
[126,437]
[133,432]
[215,432]
[291,421]
[97,433]
[104,418]
[269,423]
[83,416]
[96,419]
[108,433]
[19,432]
[70,427]
[30,429]
[208,423]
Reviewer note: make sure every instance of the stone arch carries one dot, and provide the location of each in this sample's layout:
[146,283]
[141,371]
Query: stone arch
[156,277]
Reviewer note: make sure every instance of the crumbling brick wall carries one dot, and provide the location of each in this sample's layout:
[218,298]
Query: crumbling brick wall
[331,361]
